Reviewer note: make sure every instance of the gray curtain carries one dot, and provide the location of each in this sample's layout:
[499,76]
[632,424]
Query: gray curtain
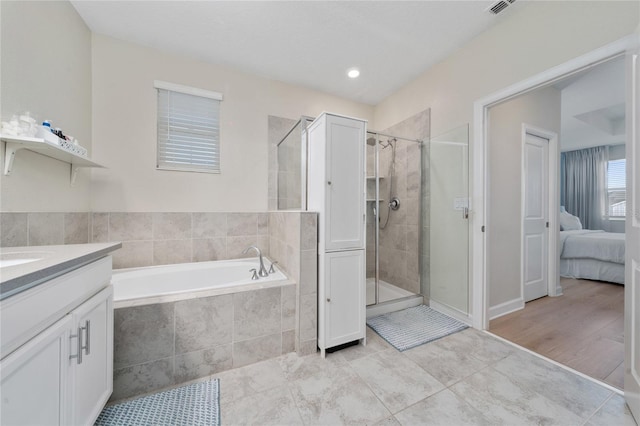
[584,183]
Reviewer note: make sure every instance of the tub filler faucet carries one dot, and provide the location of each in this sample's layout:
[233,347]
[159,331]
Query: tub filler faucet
[263,271]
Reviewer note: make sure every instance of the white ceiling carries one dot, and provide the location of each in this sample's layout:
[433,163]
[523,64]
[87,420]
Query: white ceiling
[593,107]
[308,43]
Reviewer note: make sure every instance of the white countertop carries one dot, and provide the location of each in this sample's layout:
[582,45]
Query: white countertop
[52,262]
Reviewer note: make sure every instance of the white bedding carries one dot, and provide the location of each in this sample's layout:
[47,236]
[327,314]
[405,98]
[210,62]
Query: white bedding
[587,244]
[592,269]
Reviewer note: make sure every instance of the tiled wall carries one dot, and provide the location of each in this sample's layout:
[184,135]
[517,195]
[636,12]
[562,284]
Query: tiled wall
[147,238]
[294,243]
[399,247]
[36,229]
[160,345]
[165,238]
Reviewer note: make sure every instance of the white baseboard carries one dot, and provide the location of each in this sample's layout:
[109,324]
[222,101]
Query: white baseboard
[506,308]
[452,312]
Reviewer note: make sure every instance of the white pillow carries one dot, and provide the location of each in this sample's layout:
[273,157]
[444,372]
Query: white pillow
[569,222]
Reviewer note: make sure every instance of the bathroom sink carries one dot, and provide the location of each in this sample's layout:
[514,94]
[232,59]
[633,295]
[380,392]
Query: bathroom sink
[19,258]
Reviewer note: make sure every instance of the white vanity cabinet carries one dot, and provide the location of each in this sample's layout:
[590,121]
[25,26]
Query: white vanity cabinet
[63,374]
[336,190]
[34,379]
[91,373]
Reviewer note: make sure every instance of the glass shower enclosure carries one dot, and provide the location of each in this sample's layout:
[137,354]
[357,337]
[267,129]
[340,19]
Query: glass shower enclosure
[394,191]
[417,216]
[446,281]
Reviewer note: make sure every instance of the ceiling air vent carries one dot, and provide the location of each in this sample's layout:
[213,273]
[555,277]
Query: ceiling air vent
[499,6]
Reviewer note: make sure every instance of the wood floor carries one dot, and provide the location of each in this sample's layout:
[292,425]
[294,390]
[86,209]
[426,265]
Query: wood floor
[582,329]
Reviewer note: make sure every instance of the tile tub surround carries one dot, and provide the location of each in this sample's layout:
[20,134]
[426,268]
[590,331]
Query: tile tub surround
[161,238]
[293,241]
[161,345]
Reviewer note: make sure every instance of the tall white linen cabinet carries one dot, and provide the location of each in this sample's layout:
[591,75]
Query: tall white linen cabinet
[336,189]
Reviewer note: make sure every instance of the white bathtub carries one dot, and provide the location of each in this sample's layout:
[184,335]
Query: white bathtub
[168,283]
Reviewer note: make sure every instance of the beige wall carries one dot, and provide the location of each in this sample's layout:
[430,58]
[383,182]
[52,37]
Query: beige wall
[540,108]
[124,131]
[46,70]
[536,37]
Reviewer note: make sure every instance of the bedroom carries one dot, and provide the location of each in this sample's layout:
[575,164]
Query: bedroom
[579,121]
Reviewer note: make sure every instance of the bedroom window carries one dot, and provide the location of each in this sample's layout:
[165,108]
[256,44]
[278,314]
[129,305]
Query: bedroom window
[616,191]
[188,128]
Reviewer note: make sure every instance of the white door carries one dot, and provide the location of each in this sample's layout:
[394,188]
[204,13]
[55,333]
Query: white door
[33,379]
[535,212]
[345,304]
[93,373]
[345,202]
[632,261]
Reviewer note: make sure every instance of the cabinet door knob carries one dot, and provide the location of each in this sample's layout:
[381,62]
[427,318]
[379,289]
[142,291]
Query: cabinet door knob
[328,299]
[329,182]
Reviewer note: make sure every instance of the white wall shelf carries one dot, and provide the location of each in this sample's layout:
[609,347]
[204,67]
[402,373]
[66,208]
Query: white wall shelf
[41,146]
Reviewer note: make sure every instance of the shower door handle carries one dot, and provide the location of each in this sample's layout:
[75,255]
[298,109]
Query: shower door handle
[465,212]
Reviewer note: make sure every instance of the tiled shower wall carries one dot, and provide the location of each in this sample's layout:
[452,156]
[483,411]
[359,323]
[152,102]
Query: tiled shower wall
[399,248]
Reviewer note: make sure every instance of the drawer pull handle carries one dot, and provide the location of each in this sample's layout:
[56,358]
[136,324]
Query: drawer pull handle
[87,345]
[79,346]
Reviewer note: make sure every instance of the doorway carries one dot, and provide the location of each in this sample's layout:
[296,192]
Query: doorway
[547,326]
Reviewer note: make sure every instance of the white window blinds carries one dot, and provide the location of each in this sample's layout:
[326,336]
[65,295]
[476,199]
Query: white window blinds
[617,193]
[188,128]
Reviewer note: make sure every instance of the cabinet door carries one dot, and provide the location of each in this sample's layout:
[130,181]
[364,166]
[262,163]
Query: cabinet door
[344,216]
[33,379]
[344,312]
[92,374]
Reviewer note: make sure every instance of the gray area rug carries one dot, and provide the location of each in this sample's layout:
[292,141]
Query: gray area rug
[413,327]
[195,404]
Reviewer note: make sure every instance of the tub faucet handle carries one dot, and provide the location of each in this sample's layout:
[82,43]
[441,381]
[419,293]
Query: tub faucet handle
[254,276]
[271,268]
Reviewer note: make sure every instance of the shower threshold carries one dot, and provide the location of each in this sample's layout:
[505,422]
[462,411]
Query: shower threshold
[390,298]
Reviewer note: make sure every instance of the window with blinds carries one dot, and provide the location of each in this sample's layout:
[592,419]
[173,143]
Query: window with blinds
[188,128]
[616,188]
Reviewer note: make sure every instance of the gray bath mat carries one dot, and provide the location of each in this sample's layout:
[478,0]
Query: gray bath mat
[413,327]
[195,404]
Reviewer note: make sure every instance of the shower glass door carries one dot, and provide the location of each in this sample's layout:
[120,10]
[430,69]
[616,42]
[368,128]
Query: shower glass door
[394,172]
[446,280]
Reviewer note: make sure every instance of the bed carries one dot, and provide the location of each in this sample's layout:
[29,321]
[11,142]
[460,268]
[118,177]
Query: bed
[592,255]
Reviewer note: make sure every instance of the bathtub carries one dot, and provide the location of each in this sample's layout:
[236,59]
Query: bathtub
[177,323]
[168,283]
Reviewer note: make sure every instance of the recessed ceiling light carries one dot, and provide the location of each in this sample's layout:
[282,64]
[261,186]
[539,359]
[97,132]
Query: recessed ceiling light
[353,73]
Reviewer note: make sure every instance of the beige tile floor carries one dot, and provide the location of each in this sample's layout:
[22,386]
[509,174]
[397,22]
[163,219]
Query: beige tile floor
[466,378]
